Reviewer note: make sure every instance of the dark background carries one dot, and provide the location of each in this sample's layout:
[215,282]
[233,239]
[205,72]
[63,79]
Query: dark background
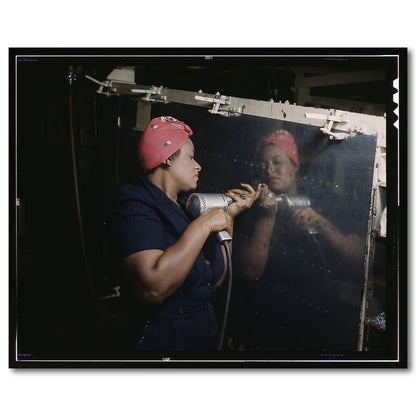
[56,295]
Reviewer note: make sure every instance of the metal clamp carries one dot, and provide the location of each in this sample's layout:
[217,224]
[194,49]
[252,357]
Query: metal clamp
[115,294]
[217,101]
[330,120]
[105,84]
[149,92]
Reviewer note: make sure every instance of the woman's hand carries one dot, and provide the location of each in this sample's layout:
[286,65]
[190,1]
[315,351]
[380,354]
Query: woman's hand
[306,218]
[215,219]
[268,201]
[243,199]
[350,246]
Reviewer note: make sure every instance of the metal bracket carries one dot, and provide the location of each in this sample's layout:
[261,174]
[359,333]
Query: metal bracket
[330,120]
[149,92]
[105,84]
[217,101]
[115,294]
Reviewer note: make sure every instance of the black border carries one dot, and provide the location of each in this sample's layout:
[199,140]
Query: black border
[397,214]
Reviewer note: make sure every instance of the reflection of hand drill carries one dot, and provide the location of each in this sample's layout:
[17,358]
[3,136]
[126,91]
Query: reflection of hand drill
[290,203]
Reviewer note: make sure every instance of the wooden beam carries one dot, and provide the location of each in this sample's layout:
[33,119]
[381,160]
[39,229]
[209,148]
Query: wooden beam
[348,105]
[344,78]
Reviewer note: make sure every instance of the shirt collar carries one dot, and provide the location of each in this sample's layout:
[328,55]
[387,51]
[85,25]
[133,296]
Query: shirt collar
[159,196]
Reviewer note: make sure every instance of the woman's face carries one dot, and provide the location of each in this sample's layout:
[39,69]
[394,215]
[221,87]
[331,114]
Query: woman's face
[278,169]
[185,169]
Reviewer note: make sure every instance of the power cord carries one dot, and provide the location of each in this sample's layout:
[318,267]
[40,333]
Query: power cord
[72,77]
[227,301]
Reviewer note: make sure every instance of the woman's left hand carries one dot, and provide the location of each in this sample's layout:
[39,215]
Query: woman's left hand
[243,199]
[306,218]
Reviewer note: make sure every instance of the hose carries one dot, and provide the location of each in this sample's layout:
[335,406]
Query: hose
[77,201]
[325,267]
[228,297]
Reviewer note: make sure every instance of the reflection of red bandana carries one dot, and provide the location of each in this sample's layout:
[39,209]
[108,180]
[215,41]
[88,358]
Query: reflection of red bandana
[284,140]
[162,138]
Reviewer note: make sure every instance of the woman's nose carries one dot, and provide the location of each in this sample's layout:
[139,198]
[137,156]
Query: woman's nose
[197,166]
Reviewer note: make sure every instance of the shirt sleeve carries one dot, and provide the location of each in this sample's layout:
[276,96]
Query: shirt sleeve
[137,227]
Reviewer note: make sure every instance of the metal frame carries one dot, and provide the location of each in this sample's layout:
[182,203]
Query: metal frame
[337,124]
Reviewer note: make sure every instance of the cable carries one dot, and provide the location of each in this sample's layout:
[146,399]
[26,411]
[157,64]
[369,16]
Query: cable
[75,175]
[325,267]
[227,301]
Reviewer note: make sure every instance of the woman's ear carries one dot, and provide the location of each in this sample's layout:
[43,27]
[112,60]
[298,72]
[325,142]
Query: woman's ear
[167,163]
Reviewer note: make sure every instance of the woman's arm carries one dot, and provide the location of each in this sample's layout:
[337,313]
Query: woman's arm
[349,246]
[239,205]
[254,254]
[156,274]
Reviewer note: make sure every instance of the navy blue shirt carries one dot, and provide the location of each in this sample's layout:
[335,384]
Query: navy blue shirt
[145,218]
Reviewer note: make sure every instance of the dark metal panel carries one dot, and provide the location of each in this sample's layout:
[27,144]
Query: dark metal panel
[337,177]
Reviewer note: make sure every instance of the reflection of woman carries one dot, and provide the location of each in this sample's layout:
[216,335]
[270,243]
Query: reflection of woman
[171,264]
[286,254]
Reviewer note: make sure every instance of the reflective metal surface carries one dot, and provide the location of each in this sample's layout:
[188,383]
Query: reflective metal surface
[309,296]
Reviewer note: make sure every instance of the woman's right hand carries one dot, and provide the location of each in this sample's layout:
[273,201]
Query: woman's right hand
[268,201]
[216,219]
[156,274]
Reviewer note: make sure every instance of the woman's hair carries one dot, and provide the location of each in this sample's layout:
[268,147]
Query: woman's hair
[282,139]
[163,164]
[162,137]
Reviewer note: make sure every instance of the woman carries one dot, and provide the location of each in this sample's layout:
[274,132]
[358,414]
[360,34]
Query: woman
[292,298]
[278,155]
[172,265]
